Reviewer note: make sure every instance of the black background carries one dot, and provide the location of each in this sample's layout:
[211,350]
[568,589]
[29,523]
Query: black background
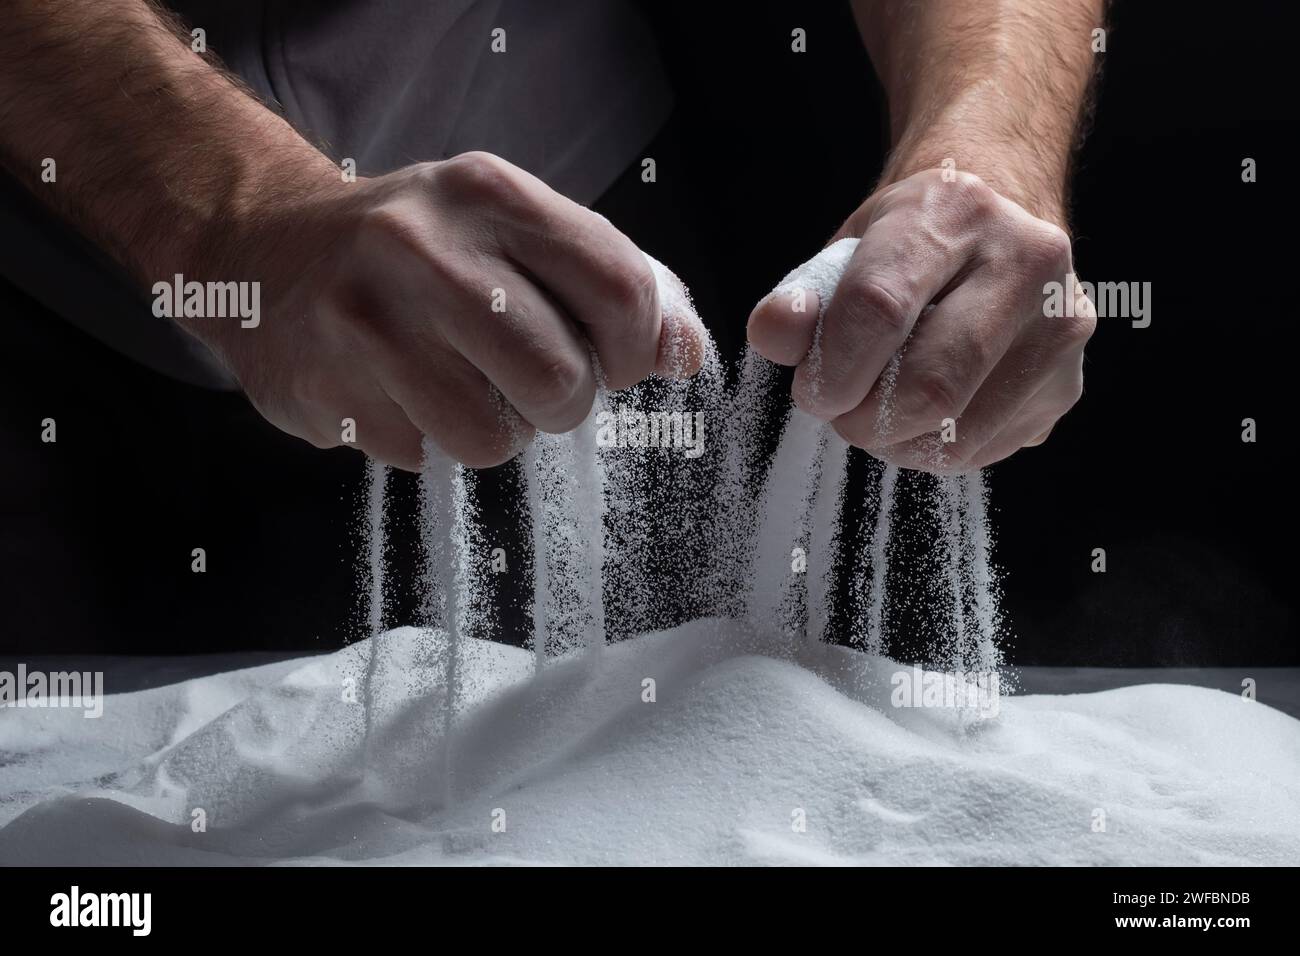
[767,153]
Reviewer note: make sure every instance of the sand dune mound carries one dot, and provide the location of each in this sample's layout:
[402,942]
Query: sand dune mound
[749,752]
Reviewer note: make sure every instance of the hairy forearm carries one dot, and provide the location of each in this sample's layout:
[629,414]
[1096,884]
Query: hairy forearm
[999,87]
[162,159]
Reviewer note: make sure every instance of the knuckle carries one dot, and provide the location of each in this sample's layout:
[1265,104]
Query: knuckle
[482,434]
[479,176]
[487,449]
[1073,329]
[934,396]
[854,430]
[1078,329]
[977,196]
[633,289]
[1062,397]
[966,180]
[868,301]
[976,349]
[1045,249]
[562,389]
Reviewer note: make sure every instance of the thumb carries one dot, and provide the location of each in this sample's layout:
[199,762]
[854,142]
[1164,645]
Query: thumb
[783,325]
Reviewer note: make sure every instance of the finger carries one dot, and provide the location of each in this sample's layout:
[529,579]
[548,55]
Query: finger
[1059,341]
[530,351]
[333,409]
[307,409]
[896,270]
[683,340]
[382,429]
[293,420]
[782,326]
[607,285]
[595,273]
[1001,411]
[927,453]
[1038,439]
[1035,421]
[1043,365]
[453,403]
[953,350]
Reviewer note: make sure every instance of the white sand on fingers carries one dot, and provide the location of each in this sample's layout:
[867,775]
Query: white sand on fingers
[742,742]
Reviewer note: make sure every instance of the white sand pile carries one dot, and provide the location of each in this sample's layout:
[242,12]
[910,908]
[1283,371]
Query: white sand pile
[740,744]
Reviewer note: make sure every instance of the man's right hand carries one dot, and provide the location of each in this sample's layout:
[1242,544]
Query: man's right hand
[453,299]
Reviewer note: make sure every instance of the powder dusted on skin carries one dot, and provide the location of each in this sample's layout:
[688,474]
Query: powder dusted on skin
[818,276]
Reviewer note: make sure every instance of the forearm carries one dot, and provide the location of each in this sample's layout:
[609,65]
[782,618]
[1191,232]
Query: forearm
[997,86]
[161,159]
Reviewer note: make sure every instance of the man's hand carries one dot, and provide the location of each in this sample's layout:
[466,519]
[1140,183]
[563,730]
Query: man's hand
[984,357]
[460,300]
[985,101]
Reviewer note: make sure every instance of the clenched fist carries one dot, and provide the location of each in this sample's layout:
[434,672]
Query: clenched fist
[985,359]
[462,300]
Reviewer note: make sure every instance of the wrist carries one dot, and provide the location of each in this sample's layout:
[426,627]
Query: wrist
[243,227]
[1031,173]
[268,225]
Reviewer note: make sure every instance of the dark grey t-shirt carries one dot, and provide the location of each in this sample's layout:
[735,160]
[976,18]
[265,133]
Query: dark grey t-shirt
[577,91]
